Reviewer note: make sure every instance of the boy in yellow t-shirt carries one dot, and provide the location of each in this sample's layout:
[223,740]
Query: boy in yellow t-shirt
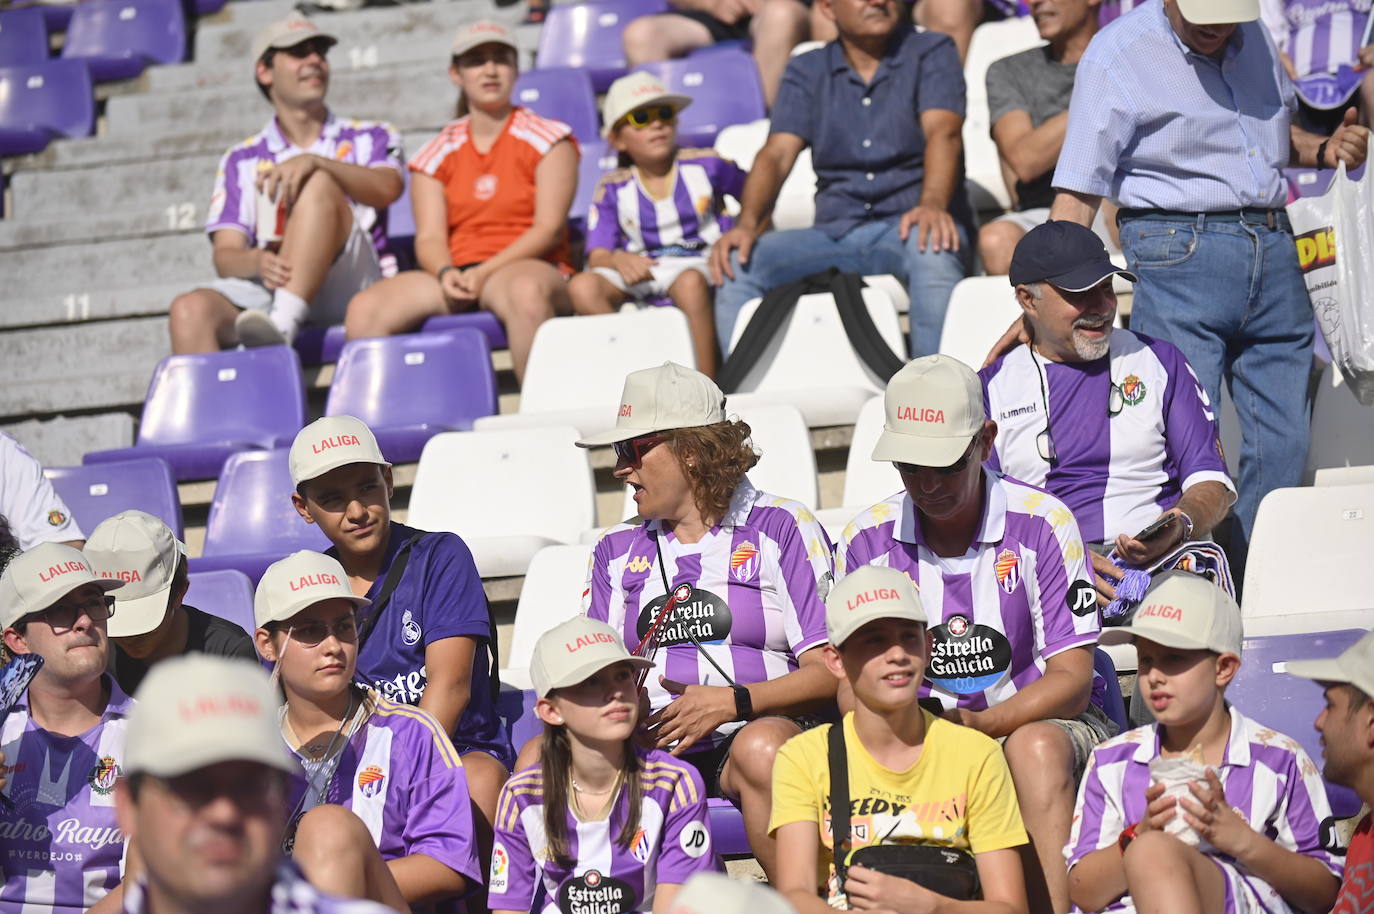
[913,778]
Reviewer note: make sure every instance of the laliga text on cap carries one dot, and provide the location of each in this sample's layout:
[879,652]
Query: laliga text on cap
[871,596]
[581,641]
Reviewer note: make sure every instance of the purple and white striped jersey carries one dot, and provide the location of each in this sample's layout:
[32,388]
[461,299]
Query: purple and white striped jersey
[1020,595]
[291,894]
[1116,473]
[756,606]
[62,847]
[234,202]
[672,844]
[1319,36]
[401,775]
[1268,780]
[623,217]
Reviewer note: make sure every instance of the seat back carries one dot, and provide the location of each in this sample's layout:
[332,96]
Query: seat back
[511,482]
[153,30]
[597,159]
[796,203]
[252,514]
[1104,671]
[96,491]
[225,593]
[249,395]
[552,593]
[588,35]
[55,95]
[23,37]
[578,362]
[980,310]
[991,41]
[724,87]
[867,481]
[1342,426]
[564,94]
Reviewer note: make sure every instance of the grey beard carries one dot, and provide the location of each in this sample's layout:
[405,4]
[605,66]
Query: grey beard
[1090,350]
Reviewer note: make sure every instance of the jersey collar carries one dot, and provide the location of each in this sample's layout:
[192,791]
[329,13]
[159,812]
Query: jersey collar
[277,143]
[1237,743]
[991,529]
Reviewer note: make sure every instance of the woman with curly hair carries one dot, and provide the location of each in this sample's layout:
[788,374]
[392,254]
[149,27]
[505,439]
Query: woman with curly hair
[737,655]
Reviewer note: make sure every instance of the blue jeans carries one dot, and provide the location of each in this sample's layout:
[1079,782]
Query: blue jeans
[870,249]
[1231,296]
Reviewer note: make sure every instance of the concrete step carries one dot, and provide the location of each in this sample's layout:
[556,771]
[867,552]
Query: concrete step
[62,441]
[84,366]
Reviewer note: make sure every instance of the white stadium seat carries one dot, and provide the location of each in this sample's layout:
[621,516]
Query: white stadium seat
[550,594]
[980,310]
[866,481]
[796,203]
[1342,427]
[983,170]
[507,493]
[1343,476]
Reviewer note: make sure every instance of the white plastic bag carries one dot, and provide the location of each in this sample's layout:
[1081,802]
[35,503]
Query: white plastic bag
[1335,237]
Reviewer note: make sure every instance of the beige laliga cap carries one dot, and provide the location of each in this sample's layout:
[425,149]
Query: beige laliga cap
[1219,12]
[1353,667]
[483,31]
[298,582]
[198,710]
[658,399]
[870,592]
[568,653]
[716,893]
[287,33]
[139,551]
[1186,611]
[635,91]
[934,407]
[329,443]
[40,577]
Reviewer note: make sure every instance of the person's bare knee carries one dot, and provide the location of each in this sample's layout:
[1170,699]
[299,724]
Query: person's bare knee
[691,292]
[525,299]
[662,36]
[591,293]
[996,243]
[1040,756]
[331,847]
[485,777]
[200,321]
[750,766]
[529,753]
[779,25]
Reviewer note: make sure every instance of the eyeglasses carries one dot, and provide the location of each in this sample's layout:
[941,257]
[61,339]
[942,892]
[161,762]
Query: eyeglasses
[632,452]
[643,117]
[303,50]
[911,469]
[309,634]
[63,616]
[1044,442]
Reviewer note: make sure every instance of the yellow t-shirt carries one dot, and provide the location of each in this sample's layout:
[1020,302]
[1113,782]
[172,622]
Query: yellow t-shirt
[959,794]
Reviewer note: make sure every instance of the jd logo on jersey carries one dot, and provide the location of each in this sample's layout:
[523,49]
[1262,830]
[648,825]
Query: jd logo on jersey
[966,657]
[593,893]
[1082,598]
[703,616]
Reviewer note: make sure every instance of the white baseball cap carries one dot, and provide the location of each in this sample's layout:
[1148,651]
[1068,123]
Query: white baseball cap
[298,582]
[1353,667]
[1219,12]
[934,407]
[570,652]
[40,577]
[636,90]
[483,31]
[287,33]
[197,710]
[870,592]
[717,893]
[329,443]
[1186,611]
[142,553]
[658,399]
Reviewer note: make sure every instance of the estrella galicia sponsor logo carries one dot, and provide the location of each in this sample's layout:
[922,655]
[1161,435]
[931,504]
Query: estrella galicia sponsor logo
[703,616]
[593,893]
[1082,598]
[967,657]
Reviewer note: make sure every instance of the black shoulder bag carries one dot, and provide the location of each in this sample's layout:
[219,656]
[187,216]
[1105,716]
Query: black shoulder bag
[944,870]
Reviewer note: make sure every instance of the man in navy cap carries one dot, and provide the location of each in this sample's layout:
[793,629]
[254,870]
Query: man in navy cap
[1113,423]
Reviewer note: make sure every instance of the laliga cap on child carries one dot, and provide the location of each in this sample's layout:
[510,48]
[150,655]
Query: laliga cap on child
[298,582]
[1353,667]
[142,553]
[329,443]
[870,592]
[568,653]
[660,399]
[483,31]
[716,893]
[1185,611]
[40,577]
[934,407]
[635,91]
[197,710]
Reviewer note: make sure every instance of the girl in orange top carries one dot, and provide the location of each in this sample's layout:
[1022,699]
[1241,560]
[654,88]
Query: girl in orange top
[491,195]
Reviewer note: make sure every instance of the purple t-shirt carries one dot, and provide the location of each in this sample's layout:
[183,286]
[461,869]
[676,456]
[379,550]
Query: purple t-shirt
[672,844]
[439,596]
[62,847]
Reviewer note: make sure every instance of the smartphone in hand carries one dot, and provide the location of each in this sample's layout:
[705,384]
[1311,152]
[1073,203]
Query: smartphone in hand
[1156,528]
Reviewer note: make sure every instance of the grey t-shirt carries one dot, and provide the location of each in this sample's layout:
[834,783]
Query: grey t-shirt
[1034,83]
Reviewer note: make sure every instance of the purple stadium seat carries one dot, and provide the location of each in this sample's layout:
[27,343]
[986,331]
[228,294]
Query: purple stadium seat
[202,408]
[118,39]
[55,15]
[23,37]
[1287,704]
[410,388]
[252,522]
[319,345]
[42,102]
[103,490]
[588,35]
[597,159]
[206,7]
[725,90]
[225,593]
[322,345]
[1115,705]
[562,93]
[485,321]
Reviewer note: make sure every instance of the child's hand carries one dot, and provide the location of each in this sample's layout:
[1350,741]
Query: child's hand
[1159,809]
[633,268]
[1214,819]
[454,287]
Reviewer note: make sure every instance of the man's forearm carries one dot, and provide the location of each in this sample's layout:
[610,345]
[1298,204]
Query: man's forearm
[760,193]
[1057,695]
[1071,206]
[941,169]
[1035,154]
[805,688]
[370,186]
[1206,504]
[1302,148]
[243,263]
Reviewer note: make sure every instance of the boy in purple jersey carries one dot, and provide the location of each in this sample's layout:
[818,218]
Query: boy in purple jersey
[62,745]
[390,764]
[1154,833]
[600,825]
[653,221]
[1001,567]
[329,180]
[203,796]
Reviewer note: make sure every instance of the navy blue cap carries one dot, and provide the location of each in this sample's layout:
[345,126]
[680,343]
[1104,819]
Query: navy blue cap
[1064,254]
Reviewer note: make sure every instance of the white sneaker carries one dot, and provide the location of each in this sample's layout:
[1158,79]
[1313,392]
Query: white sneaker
[256,329]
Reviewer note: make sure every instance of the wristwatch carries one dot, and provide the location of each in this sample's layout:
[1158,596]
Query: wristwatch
[1126,837]
[744,703]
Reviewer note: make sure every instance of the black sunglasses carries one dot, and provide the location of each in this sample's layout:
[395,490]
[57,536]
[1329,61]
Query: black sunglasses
[957,466]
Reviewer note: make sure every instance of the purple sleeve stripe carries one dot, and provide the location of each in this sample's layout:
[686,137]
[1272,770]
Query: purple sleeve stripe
[1088,639]
[1090,815]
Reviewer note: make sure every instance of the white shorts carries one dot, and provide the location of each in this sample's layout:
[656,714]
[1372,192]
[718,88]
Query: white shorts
[356,268]
[665,272]
[1028,219]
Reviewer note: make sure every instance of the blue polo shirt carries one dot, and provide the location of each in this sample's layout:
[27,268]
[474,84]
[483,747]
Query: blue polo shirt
[866,141]
[439,596]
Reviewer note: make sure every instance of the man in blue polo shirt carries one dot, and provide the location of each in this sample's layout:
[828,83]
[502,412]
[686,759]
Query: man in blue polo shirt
[882,108]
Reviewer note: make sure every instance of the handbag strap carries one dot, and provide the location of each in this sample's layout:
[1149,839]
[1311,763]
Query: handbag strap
[393,577]
[839,800]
